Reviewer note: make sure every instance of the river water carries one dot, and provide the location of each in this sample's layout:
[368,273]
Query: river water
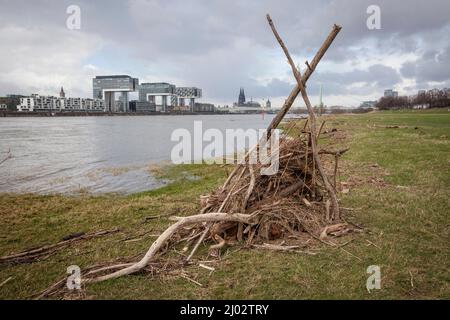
[96,154]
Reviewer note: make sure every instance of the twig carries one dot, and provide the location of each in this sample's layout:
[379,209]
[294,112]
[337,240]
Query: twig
[191,280]
[274,247]
[320,129]
[370,242]
[351,254]
[200,240]
[156,216]
[5,282]
[411,278]
[206,267]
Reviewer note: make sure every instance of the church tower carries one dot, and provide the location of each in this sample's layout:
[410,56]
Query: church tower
[241,99]
[62,94]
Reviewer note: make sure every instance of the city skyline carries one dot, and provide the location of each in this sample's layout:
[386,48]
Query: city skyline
[220,47]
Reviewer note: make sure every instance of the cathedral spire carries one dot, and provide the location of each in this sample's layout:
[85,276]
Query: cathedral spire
[241,99]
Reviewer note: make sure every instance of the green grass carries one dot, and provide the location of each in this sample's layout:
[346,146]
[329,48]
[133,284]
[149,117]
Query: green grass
[403,203]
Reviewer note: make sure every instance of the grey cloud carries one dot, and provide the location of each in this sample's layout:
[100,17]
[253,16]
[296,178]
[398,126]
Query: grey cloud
[218,45]
[376,78]
[433,65]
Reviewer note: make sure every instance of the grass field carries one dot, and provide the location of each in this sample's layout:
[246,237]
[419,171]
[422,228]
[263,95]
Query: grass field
[399,190]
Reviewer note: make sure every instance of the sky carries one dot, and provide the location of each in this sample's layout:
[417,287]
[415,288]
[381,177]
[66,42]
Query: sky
[220,46]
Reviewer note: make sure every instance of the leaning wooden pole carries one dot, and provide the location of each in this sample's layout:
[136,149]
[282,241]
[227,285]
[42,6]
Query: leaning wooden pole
[311,67]
[312,117]
[294,93]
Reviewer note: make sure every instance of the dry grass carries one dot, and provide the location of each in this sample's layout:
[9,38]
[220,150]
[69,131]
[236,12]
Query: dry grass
[398,188]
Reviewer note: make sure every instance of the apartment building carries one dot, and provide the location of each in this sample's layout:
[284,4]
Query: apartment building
[58,104]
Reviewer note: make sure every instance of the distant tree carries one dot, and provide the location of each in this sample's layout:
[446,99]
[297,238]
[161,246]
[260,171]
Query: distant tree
[439,99]
[436,98]
[337,110]
[387,103]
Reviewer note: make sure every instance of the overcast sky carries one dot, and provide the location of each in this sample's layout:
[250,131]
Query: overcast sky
[220,46]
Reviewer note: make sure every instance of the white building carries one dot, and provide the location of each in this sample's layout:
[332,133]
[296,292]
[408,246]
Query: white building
[390,93]
[49,103]
[3,106]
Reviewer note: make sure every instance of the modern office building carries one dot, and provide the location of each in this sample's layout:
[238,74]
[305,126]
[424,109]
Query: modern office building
[390,93]
[188,93]
[204,107]
[142,106]
[160,94]
[105,87]
[156,96]
[166,96]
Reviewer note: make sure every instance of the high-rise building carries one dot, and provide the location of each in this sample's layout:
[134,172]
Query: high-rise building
[167,96]
[160,94]
[190,93]
[390,93]
[105,87]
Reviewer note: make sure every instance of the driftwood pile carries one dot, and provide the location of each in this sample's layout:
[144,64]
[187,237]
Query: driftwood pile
[288,204]
[251,209]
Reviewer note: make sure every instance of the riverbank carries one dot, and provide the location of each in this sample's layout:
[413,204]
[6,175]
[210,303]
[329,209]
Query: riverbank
[115,114]
[394,179]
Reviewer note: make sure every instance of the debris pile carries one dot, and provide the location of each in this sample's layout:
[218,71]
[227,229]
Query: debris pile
[284,205]
[262,211]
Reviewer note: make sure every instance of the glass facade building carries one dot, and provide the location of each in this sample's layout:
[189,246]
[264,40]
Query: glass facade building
[161,94]
[105,87]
